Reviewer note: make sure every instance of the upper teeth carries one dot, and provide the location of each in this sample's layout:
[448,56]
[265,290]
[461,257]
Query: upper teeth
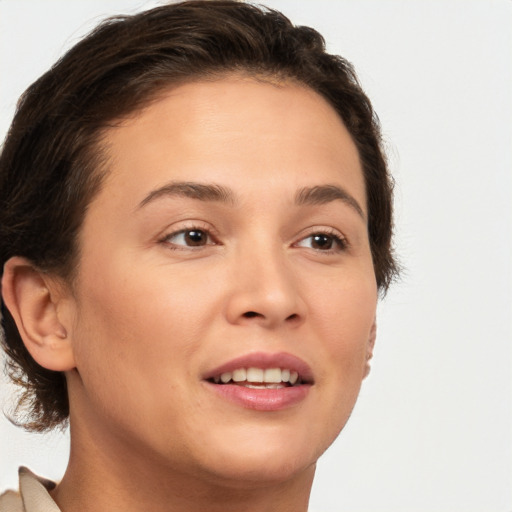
[268,375]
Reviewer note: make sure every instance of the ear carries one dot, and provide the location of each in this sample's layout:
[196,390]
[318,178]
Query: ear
[34,300]
[369,347]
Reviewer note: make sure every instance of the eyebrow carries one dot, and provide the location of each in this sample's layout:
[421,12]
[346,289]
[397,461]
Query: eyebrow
[192,190]
[324,194]
[317,195]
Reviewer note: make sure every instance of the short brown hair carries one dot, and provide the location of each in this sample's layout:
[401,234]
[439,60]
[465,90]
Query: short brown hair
[51,164]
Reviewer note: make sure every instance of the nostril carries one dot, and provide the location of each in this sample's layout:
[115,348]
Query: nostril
[293,317]
[251,314]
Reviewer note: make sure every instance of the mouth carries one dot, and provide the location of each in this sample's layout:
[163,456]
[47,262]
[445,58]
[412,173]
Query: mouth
[260,378]
[265,382]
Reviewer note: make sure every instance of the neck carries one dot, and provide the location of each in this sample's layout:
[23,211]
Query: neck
[103,476]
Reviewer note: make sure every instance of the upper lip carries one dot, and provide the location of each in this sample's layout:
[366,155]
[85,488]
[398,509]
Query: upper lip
[265,360]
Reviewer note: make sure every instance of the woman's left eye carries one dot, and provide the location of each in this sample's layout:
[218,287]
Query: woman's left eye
[326,242]
[189,238]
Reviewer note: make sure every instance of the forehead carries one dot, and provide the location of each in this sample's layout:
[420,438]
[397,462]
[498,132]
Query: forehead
[234,131]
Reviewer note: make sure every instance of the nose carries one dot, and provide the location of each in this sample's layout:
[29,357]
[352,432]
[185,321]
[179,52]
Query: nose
[265,290]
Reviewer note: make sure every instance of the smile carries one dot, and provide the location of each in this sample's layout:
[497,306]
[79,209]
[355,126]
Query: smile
[262,382]
[259,378]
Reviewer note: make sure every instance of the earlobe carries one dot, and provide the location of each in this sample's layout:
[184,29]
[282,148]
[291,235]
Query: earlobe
[369,348]
[32,298]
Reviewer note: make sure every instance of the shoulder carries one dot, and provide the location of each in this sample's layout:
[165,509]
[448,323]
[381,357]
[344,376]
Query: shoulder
[33,495]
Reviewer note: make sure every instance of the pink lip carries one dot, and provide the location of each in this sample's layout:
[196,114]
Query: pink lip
[264,360]
[263,399]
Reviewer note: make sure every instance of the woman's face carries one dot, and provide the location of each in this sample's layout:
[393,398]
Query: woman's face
[229,241]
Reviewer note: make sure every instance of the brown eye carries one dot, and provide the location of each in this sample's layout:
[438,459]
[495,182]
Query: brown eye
[195,237]
[323,242]
[189,238]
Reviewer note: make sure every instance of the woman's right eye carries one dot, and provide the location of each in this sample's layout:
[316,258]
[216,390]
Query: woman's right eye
[189,238]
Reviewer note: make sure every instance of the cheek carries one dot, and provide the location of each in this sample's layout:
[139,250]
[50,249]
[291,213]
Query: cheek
[142,321]
[345,312]
[131,346]
[343,320]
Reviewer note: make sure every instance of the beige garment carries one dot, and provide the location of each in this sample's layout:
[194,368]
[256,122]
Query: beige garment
[32,497]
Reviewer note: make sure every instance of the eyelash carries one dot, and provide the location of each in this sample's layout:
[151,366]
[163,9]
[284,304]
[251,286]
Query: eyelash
[340,243]
[189,229]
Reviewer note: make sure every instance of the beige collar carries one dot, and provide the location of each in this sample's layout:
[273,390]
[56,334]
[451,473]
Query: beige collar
[33,495]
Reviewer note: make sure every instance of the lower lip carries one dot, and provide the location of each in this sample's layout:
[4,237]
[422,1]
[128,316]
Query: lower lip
[262,399]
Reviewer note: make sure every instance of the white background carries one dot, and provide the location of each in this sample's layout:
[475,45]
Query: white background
[432,431]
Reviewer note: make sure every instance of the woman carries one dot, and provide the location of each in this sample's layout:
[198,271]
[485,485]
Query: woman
[195,225]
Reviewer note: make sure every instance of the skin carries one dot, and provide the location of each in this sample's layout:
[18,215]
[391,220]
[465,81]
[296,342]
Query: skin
[148,315]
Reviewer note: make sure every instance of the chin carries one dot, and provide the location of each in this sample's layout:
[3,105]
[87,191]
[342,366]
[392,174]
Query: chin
[257,458]
[257,473]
